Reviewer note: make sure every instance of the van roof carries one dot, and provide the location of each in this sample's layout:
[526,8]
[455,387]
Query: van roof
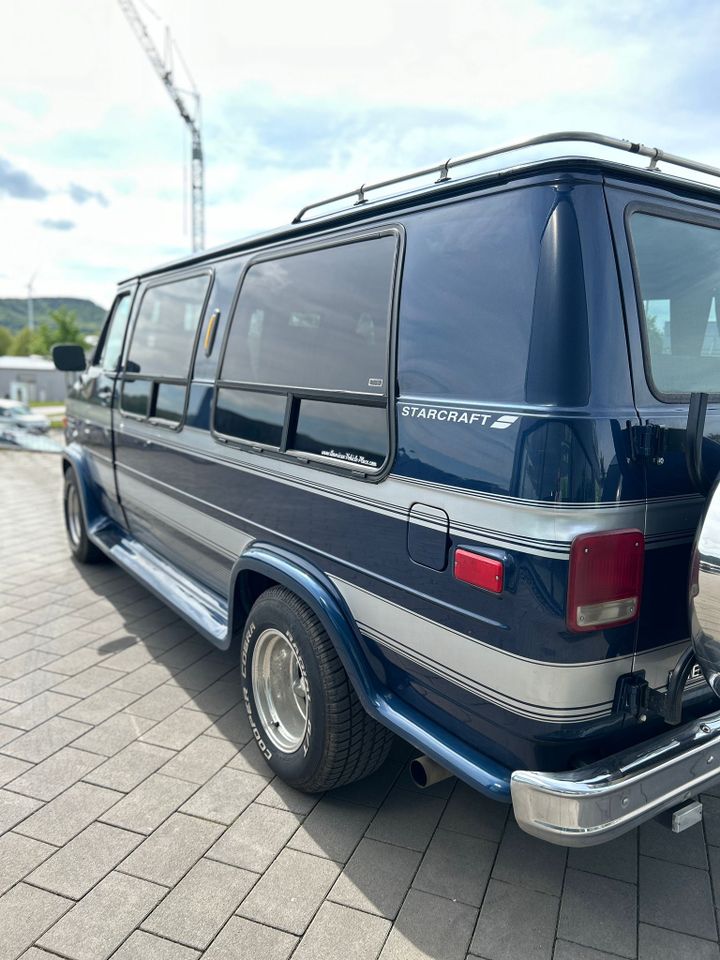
[444,184]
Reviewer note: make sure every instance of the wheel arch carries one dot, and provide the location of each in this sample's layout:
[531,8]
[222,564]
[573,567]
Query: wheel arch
[74,458]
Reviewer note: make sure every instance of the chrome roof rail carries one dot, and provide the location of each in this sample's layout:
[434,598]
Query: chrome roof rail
[577,136]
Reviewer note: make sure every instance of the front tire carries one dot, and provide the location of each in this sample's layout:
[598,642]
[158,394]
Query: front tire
[305,715]
[81,546]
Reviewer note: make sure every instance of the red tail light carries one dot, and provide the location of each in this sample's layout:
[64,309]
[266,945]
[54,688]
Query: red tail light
[605,581]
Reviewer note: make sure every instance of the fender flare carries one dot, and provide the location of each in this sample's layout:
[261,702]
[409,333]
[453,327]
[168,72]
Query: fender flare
[76,459]
[322,596]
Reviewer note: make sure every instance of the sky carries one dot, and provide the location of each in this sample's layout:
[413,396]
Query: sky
[301,100]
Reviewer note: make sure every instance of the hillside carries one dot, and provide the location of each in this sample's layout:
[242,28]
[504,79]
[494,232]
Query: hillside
[13,312]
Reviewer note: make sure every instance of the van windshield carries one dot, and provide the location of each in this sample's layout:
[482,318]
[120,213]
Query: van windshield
[678,276]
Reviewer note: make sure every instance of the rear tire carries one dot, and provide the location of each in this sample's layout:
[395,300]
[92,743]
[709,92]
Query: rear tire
[304,713]
[81,547]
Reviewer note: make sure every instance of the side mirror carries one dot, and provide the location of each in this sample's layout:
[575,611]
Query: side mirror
[69,357]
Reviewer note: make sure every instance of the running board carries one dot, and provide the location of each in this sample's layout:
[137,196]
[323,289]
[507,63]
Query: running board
[205,610]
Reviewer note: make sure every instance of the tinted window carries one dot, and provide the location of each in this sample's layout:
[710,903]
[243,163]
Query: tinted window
[136,397]
[164,334]
[315,320]
[115,333]
[678,273]
[169,402]
[256,417]
[342,431]
[468,289]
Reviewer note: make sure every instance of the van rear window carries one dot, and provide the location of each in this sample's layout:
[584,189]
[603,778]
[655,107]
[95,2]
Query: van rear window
[678,276]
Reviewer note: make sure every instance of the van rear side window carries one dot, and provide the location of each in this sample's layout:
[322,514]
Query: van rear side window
[305,365]
[678,279]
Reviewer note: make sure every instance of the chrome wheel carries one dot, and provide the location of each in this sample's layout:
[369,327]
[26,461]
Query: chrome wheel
[73,515]
[280,690]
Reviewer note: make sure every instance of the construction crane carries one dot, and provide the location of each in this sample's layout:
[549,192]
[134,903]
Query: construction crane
[163,68]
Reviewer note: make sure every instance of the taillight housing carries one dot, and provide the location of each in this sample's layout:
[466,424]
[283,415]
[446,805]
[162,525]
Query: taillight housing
[605,580]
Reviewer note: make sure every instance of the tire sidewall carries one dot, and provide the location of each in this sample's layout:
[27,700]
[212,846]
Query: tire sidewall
[70,481]
[301,764]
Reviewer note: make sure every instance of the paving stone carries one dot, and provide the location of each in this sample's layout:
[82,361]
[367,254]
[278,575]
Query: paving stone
[10,768]
[288,895]
[406,819]
[677,897]
[25,663]
[338,931]
[279,794]
[60,626]
[80,864]
[19,856]
[469,812]
[65,816]
[655,943]
[217,699]
[203,673]
[250,760]
[77,661]
[376,878]
[130,766]
[112,735]
[26,687]
[86,683]
[564,950]
[457,867]
[224,796]
[256,837]
[160,703]
[25,914]
[615,858]
[200,759]
[100,705]
[599,912]
[147,678]
[529,862]
[688,847]
[130,658]
[515,922]
[371,790]
[97,925]
[711,809]
[145,946]
[232,726]
[181,655]
[145,807]
[37,710]
[8,734]
[430,927]
[41,742]
[333,829]
[201,903]
[67,643]
[169,852]
[178,730]
[242,938]
[14,808]
[49,778]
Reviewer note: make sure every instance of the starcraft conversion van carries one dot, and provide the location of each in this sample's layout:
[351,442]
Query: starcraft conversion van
[434,464]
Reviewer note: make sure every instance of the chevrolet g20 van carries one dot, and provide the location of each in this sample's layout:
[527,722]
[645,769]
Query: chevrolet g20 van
[434,463]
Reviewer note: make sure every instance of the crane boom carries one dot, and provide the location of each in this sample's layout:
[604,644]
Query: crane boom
[197,166]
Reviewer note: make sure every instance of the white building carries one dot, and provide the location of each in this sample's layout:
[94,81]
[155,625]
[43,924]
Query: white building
[31,378]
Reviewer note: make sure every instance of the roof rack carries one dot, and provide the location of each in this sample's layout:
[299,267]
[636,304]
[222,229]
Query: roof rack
[578,136]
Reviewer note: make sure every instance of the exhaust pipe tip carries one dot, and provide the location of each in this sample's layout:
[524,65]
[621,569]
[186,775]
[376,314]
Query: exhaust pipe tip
[424,772]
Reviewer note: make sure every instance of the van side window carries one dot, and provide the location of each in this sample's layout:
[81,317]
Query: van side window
[161,348]
[305,367]
[677,265]
[110,346]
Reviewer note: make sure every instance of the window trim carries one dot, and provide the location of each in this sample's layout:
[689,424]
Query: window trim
[295,394]
[124,374]
[100,345]
[661,212]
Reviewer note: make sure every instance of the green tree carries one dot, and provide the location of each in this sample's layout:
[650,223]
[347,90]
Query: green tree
[22,343]
[6,339]
[60,327]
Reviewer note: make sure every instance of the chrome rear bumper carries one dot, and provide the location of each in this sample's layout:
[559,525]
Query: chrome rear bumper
[601,801]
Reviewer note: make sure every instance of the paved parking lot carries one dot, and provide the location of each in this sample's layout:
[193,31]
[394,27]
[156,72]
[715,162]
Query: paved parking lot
[138,821]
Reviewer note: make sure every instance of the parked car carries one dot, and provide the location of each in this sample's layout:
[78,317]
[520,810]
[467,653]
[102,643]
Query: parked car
[19,416]
[430,463]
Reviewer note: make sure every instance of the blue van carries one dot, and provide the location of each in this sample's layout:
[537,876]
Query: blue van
[432,463]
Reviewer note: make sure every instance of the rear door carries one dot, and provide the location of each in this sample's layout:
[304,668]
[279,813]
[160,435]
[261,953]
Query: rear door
[669,260]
